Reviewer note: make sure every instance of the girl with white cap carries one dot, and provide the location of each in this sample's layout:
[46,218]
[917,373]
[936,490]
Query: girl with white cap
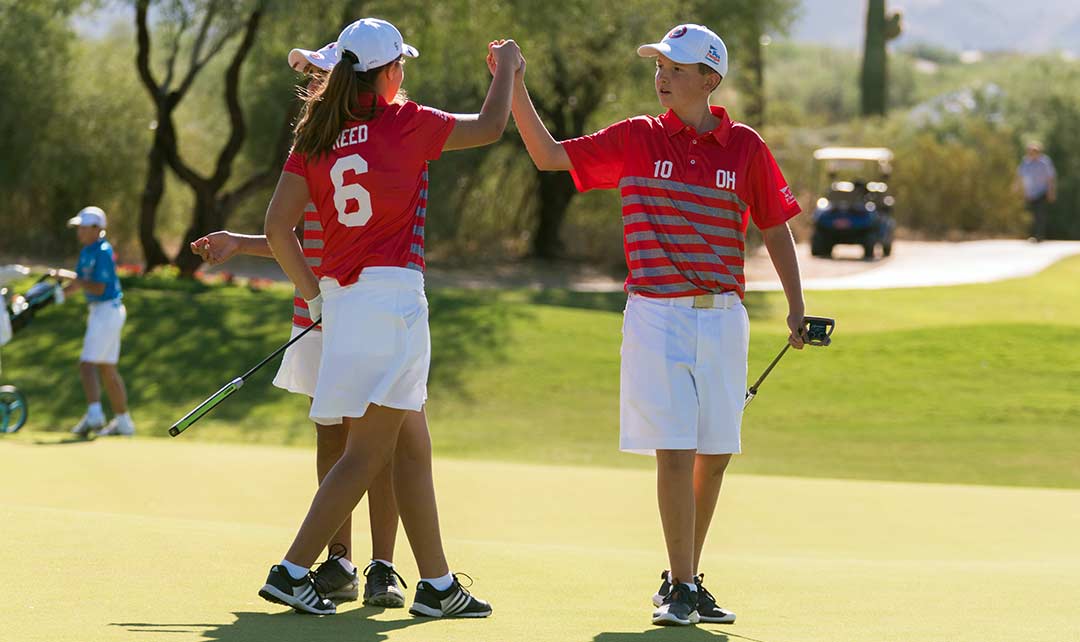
[360,155]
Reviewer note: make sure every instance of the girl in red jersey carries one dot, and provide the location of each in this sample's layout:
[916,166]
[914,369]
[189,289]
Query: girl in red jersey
[336,578]
[360,155]
[688,179]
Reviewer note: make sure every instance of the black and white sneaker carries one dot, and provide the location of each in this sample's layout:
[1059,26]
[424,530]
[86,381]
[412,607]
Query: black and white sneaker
[678,609]
[381,586]
[453,602]
[333,581]
[662,592]
[708,611]
[301,594]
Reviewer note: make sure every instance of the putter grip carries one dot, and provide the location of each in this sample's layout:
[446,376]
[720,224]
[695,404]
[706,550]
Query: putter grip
[206,406]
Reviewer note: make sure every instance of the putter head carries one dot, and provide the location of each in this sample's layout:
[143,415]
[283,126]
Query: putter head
[749,397]
[819,330]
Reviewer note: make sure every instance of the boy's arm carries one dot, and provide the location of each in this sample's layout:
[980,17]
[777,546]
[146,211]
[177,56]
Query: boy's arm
[547,154]
[218,247]
[781,247]
[95,288]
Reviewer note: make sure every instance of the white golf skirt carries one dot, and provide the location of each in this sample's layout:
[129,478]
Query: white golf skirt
[683,375]
[376,345]
[104,323]
[299,369]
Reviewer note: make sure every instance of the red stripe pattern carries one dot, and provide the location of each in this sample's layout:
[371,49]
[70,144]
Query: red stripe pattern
[312,244]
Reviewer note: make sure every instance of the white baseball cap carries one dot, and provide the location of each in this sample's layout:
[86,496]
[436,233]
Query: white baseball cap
[324,58]
[690,44]
[88,217]
[374,42]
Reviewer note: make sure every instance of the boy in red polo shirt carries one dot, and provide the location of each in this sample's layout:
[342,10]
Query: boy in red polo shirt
[690,180]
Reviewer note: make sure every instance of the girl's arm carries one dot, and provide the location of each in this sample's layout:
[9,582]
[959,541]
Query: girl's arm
[218,247]
[477,130]
[547,154]
[285,211]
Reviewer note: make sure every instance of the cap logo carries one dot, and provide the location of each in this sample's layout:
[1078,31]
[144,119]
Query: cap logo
[713,55]
[677,32]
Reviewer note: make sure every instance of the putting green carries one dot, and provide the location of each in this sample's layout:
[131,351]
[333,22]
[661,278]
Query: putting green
[150,540]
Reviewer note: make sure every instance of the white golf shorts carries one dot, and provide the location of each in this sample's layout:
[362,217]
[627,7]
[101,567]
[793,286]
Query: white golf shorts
[683,375]
[376,345]
[104,323]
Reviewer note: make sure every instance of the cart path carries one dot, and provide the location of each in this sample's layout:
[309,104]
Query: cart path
[916,264]
[913,264]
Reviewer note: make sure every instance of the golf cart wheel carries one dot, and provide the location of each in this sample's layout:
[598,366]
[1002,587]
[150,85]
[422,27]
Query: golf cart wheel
[886,249]
[13,409]
[819,247]
[868,251]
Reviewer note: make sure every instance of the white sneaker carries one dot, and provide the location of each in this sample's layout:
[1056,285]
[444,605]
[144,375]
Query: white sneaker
[120,425]
[85,425]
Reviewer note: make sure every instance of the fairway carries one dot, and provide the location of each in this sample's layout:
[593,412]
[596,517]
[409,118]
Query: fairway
[152,540]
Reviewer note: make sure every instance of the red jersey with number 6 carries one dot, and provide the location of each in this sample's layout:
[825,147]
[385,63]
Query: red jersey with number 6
[371,188]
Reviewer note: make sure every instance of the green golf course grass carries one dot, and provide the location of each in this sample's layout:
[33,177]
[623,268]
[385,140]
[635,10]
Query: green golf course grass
[969,384]
[152,540]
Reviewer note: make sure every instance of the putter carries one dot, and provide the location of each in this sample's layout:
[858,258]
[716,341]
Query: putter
[818,332]
[221,395]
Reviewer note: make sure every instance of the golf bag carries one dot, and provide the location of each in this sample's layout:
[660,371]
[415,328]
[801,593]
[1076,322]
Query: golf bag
[16,312]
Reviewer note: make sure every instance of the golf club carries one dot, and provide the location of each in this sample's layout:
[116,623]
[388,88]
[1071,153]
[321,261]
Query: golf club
[221,395]
[818,331]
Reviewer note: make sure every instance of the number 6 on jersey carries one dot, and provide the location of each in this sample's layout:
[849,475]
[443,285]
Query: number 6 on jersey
[344,193]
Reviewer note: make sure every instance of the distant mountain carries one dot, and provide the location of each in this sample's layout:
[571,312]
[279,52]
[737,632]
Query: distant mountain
[1032,26]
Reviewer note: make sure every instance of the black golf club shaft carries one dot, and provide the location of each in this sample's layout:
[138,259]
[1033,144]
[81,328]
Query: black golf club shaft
[753,388]
[221,395]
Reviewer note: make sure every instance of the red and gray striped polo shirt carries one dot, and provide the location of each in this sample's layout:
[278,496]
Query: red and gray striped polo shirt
[685,198]
[312,243]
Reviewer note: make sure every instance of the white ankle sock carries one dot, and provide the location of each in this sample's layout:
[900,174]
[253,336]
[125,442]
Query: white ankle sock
[440,583]
[691,586]
[124,415]
[384,562]
[295,570]
[94,412]
[347,565]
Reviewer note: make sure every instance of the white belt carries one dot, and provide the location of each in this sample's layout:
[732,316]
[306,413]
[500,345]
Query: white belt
[116,303]
[721,301]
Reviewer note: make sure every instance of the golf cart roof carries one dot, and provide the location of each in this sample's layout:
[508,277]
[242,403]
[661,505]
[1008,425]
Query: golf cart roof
[877,154]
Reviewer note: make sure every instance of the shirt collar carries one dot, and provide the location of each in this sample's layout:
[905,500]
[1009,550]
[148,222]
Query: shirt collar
[673,124]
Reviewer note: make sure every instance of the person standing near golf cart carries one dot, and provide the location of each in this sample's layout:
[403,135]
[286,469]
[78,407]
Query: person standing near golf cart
[96,276]
[337,578]
[360,154]
[690,181]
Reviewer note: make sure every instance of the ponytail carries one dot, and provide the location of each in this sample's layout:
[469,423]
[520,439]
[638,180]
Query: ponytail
[333,103]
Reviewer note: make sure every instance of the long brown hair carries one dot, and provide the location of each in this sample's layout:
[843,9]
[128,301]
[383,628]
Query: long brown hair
[331,104]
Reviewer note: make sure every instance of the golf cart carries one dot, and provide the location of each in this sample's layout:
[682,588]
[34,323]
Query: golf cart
[16,311]
[854,210]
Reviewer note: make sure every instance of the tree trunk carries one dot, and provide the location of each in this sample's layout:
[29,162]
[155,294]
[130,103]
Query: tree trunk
[874,82]
[755,106]
[153,254]
[207,217]
[556,191]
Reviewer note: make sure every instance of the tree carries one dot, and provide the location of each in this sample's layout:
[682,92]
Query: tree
[874,80]
[217,26]
[746,25]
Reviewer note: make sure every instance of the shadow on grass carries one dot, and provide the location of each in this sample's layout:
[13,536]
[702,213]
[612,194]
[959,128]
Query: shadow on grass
[757,303]
[286,627]
[662,634]
[181,346]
